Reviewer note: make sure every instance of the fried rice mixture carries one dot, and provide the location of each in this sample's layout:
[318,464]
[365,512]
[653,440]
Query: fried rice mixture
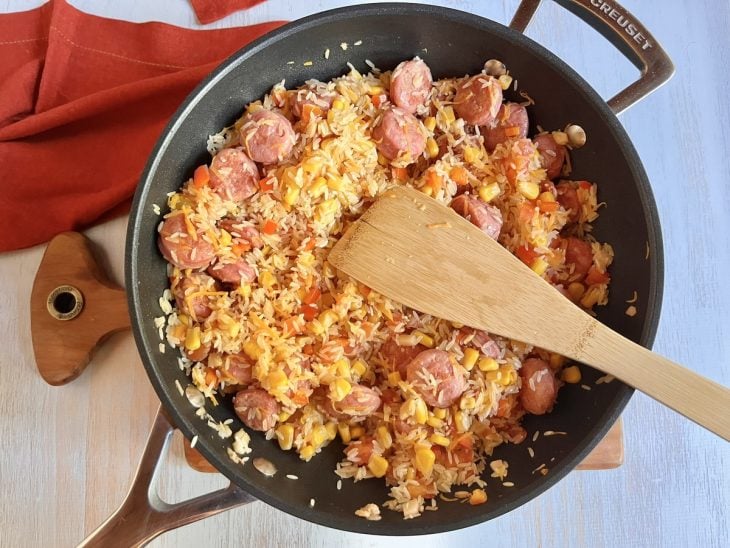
[310,355]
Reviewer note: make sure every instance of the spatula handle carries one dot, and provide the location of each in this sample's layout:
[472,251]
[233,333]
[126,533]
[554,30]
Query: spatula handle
[694,396]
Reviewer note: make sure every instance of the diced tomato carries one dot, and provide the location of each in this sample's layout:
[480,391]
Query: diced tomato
[547,206]
[312,296]
[309,246]
[595,276]
[526,254]
[309,311]
[309,110]
[266,184]
[378,100]
[459,175]
[201,176]
[269,227]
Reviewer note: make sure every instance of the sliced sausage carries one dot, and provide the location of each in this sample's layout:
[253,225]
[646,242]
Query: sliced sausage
[360,402]
[197,306]
[267,136]
[539,387]
[410,85]
[233,175]
[181,248]
[398,357]
[478,100]
[242,232]
[484,216]
[481,340]
[436,378]
[316,94]
[233,273]
[256,408]
[552,155]
[359,452]
[199,354]
[578,252]
[511,123]
[399,134]
[568,198]
[240,369]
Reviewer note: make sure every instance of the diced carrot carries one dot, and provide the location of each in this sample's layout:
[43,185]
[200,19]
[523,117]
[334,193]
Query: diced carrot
[308,349]
[512,131]
[292,326]
[363,289]
[526,254]
[434,180]
[309,311]
[312,296]
[527,210]
[210,377]
[459,175]
[201,176]
[400,173]
[585,185]
[309,110]
[547,206]
[266,184]
[240,248]
[300,398]
[269,227]
[377,100]
[310,244]
[595,276]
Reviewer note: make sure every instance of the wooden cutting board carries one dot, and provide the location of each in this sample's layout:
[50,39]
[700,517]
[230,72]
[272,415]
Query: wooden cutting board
[74,305]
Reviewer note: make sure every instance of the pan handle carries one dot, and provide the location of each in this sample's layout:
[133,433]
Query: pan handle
[625,32]
[144,515]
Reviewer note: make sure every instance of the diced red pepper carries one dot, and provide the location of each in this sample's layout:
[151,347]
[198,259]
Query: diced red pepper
[526,254]
[309,311]
[201,176]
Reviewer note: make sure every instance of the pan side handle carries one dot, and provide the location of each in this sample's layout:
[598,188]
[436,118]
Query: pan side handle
[143,515]
[626,33]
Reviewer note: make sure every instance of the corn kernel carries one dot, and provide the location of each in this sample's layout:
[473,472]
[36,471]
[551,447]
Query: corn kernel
[448,114]
[557,361]
[488,364]
[276,381]
[462,421]
[335,182]
[425,340]
[378,466]
[467,402]
[312,164]
[420,412]
[338,104]
[252,349]
[327,209]
[571,374]
[385,440]
[508,375]
[192,339]
[439,413]
[339,389]
[539,265]
[546,197]
[489,192]
[470,358]
[382,160]
[291,194]
[528,189]
[493,376]
[359,368]
[307,452]
[560,137]
[478,496]
[357,432]
[435,422]
[283,416]
[425,458]
[430,123]
[432,147]
[327,318]
[394,378]
[471,154]
[245,290]
[438,439]
[505,81]
[427,190]
[576,290]
[331,428]
[317,188]
[343,368]
[267,279]
[410,474]
[591,297]
[285,436]
[319,435]
[225,238]
[344,431]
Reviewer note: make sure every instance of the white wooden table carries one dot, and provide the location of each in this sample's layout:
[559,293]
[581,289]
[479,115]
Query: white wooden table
[68,453]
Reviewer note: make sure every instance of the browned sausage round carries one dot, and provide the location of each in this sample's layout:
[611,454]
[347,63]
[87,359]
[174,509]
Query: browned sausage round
[256,408]
[360,402]
[197,306]
[484,216]
[398,357]
[182,249]
[436,365]
[511,123]
[233,175]
[267,136]
[568,198]
[199,354]
[578,252]
[478,100]
[240,369]
[399,133]
[233,273]
[315,94]
[242,232]
[359,452]
[410,84]
[539,387]
[552,155]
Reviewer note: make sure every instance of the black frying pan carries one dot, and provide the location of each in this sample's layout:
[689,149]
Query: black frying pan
[452,43]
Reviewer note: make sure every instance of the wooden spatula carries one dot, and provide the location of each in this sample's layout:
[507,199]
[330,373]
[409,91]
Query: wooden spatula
[414,250]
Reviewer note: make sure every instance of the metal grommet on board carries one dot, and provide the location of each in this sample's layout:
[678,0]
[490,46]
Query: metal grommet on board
[65,302]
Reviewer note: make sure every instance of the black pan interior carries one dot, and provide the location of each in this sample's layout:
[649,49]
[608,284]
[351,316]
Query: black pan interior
[452,43]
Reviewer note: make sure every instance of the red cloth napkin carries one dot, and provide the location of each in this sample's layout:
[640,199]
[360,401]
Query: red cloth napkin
[82,101]
[208,11]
